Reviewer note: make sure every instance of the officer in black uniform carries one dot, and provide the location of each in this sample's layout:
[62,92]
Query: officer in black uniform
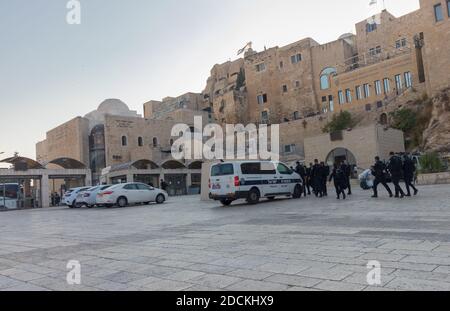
[379,172]
[395,167]
[325,172]
[348,174]
[316,176]
[409,169]
[300,169]
[308,178]
[340,181]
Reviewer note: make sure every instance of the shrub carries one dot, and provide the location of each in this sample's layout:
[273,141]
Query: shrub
[404,119]
[342,121]
[431,163]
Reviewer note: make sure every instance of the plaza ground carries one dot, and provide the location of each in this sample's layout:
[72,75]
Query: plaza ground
[307,244]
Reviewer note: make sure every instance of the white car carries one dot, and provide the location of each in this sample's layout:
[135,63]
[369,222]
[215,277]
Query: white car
[131,193]
[253,180]
[89,197]
[70,196]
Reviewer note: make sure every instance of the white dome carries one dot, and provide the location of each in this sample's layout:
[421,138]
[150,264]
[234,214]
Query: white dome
[113,106]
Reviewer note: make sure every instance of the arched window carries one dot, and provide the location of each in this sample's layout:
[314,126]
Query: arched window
[155,142]
[140,141]
[325,77]
[124,141]
[383,119]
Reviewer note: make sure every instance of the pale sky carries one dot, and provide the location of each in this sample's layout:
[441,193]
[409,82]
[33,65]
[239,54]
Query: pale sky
[139,50]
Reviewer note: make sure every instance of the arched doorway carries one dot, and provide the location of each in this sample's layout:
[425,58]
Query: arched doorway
[383,119]
[339,155]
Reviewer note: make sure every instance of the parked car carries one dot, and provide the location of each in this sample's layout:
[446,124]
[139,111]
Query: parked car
[253,180]
[89,197]
[70,196]
[131,193]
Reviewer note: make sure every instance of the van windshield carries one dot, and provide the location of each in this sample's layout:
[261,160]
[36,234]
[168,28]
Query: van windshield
[222,170]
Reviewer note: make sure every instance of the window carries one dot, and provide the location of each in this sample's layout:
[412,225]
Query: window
[140,142]
[368,107]
[341,98]
[448,8]
[325,77]
[372,52]
[288,149]
[142,187]
[408,79]
[358,92]
[262,99]
[379,104]
[281,65]
[400,43]
[130,187]
[296,58]
[348,95]
[283,169]
[331,100]
[296,115]
[124,141]
[370,27]
[260,67]
[258,168]
[398,83]
[387,86]
[297,83]
[378,90]
[366,90]
[285,89]
[265,117]
[439,16]
[155,142]
[222,170]
[378,50]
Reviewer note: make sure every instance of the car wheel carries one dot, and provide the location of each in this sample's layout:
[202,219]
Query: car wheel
[160,199]
[122,202]
[297,192]
[226,202]
[253,196]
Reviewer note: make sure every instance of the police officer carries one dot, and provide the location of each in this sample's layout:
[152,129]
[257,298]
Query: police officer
[348,174]
[316,176]
[308,178]
[340,180]
[300,169]
[409,169]
[325,172]
[379,172]
[395,167]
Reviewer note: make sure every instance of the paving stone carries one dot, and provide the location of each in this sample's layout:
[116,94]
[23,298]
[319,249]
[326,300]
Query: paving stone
[252,285]
[215,280]
[293,280]
[339,286]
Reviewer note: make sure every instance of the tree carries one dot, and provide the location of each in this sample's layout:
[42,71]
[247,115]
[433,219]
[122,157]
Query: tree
[240,81]
[404,119]
[342,121]
[431,163]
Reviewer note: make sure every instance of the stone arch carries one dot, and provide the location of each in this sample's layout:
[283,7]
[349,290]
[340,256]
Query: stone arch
[195,165]
[173,165]
[339,155]
[67,163]
[144,164]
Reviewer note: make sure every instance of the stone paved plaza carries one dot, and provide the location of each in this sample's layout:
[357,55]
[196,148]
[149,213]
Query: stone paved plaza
[308,244]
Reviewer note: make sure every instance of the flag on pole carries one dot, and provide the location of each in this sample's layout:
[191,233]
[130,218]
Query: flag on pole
[247,46]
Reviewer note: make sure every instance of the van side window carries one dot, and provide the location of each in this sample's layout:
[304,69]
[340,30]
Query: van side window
[283,169]
[258,168]
[222,170]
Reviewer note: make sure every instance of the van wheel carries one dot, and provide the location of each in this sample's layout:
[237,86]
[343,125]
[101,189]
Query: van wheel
[297,192]
[253,196]
[122,202]
[226,202]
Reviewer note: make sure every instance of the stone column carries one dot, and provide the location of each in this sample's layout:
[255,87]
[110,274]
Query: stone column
[45,191]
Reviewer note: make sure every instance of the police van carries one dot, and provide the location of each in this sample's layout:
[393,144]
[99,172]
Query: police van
[253,180]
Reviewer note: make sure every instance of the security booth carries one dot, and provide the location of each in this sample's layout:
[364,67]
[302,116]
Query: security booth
[29,184]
